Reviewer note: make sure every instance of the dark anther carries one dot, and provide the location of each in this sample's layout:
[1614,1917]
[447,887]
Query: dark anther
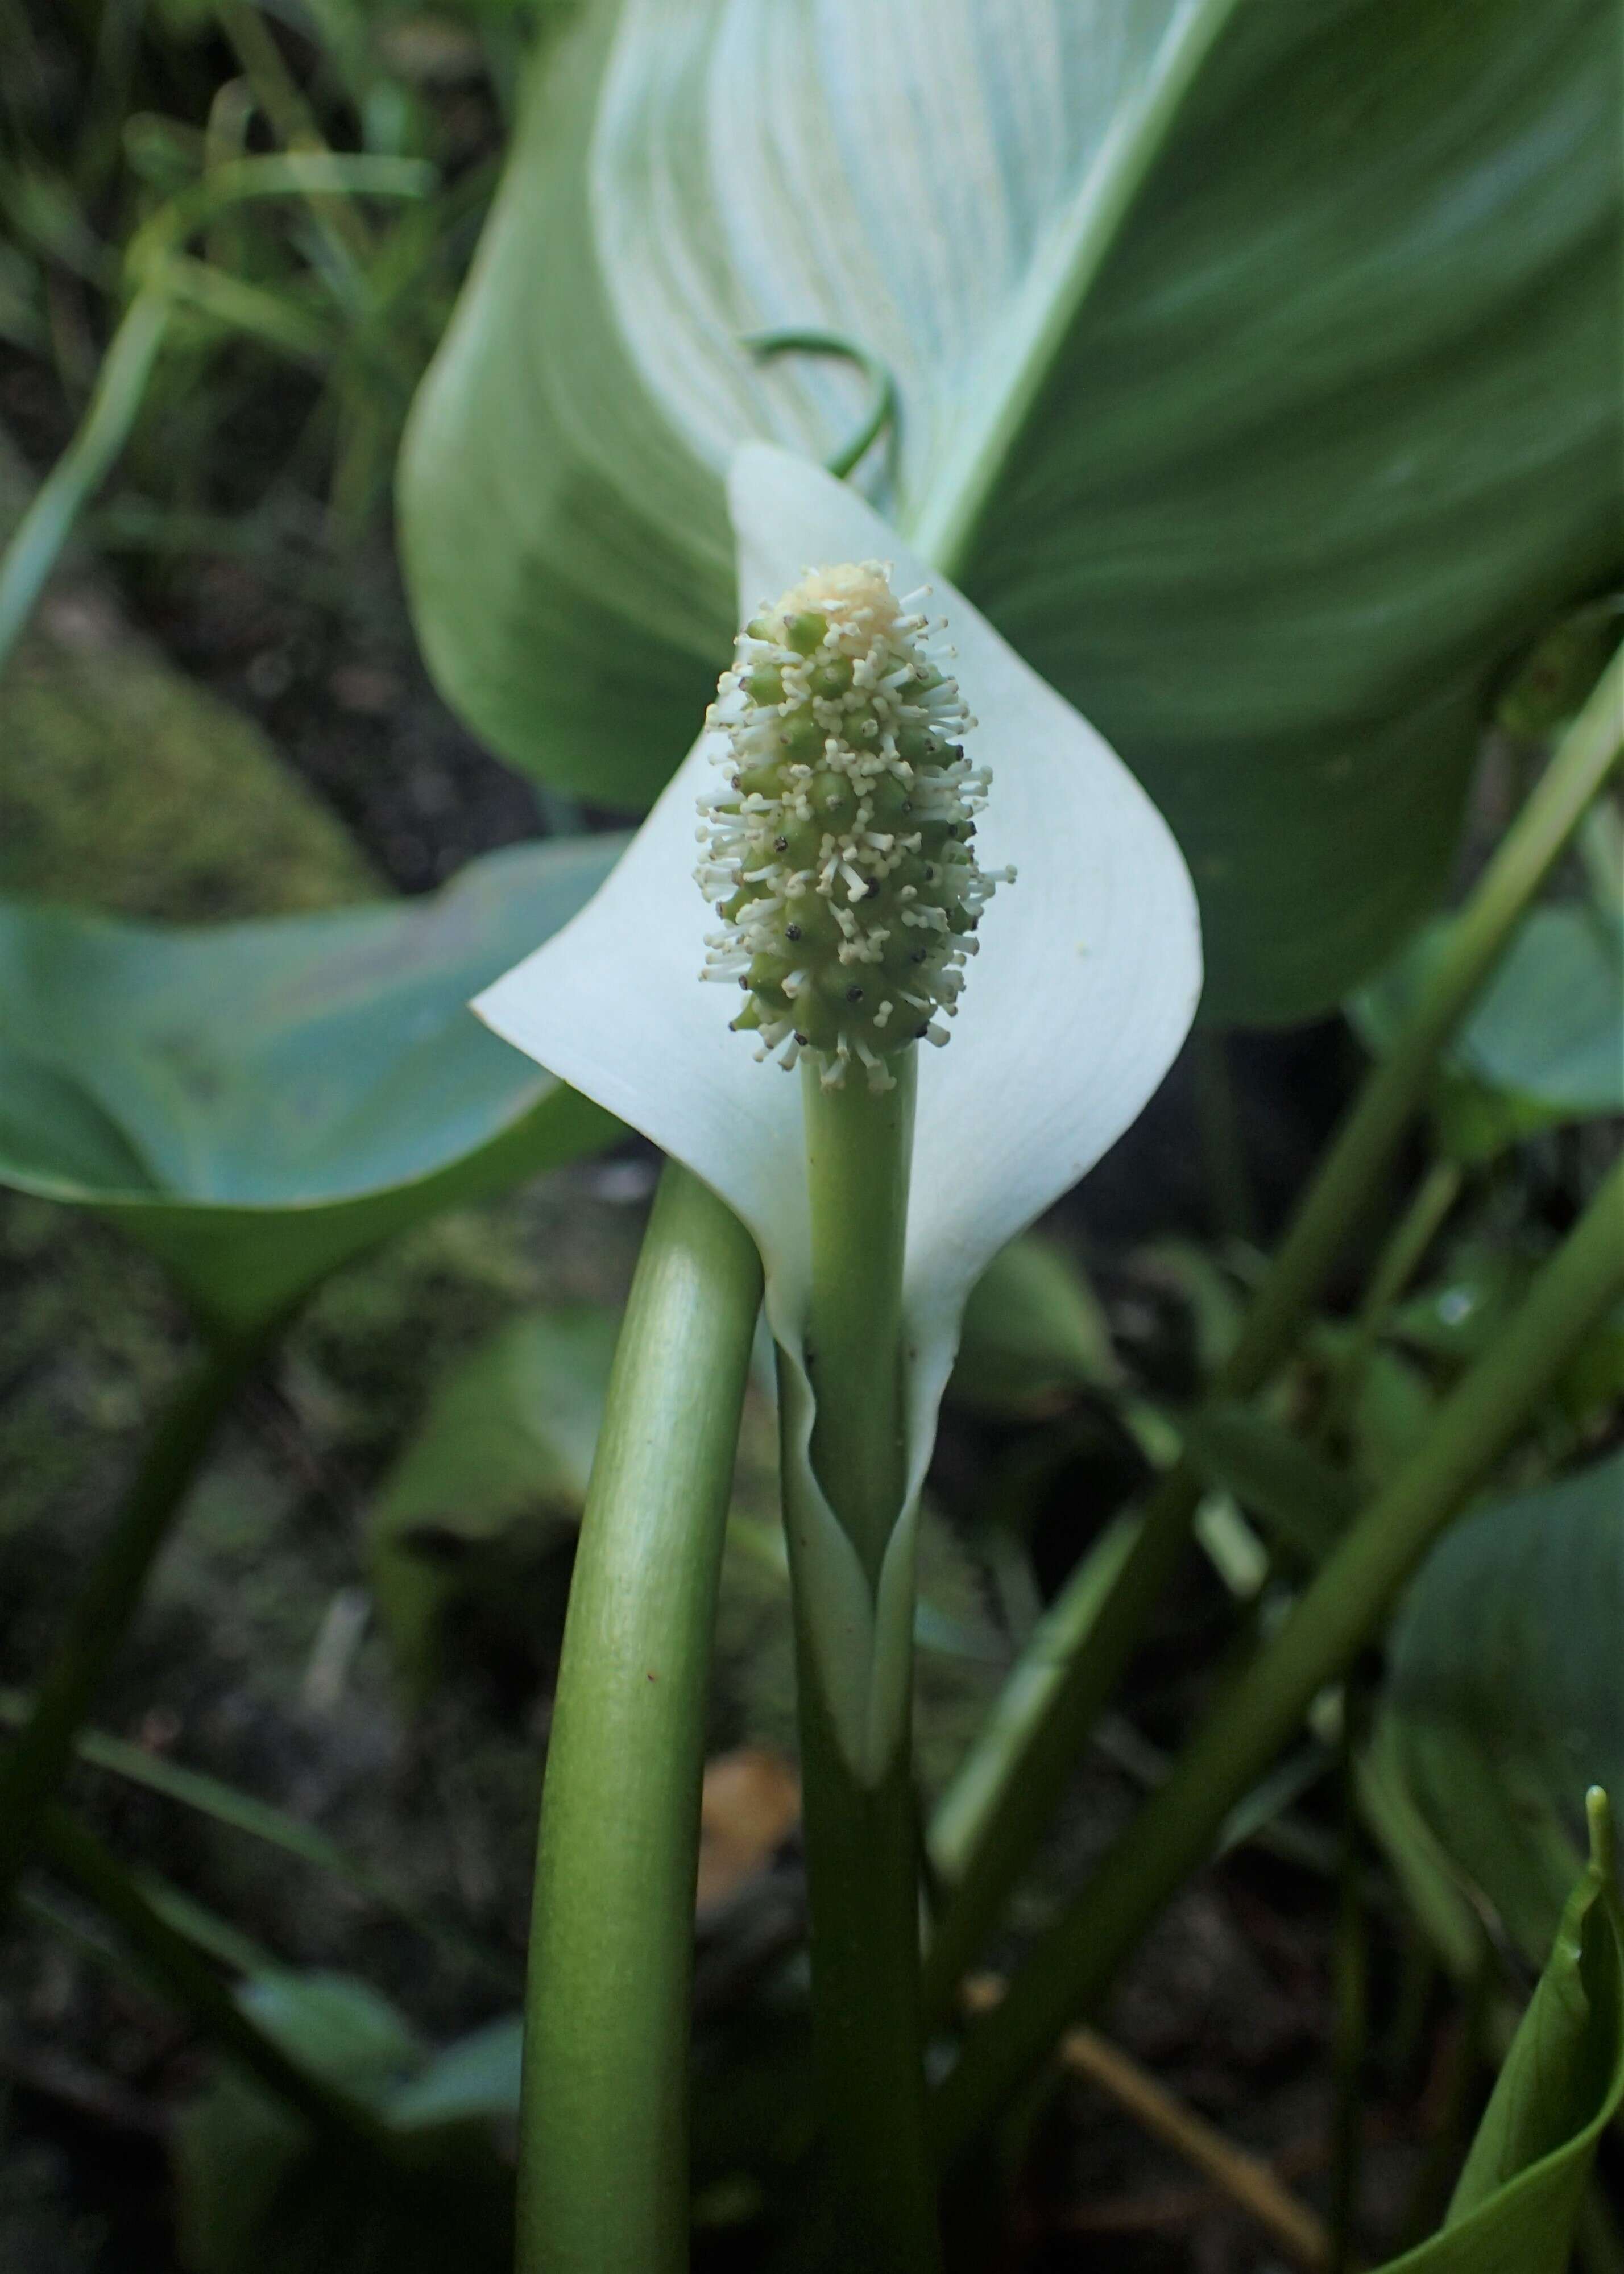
[745,984]
[919,1033]
[791,931]
[917,956]
[805,1042]
[853,994]
[780,844]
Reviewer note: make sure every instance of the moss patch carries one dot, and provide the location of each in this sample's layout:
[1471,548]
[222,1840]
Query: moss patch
[125,787]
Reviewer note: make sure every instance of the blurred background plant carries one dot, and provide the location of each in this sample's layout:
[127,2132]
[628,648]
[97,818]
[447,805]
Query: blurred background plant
[257,2006]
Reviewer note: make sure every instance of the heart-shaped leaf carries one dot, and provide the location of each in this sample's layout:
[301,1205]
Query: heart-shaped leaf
[1258,369]
[255,1101]
[1516,2202]
[1503,1699]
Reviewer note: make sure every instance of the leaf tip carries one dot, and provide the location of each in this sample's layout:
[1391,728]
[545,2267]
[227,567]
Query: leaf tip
[1604,1835]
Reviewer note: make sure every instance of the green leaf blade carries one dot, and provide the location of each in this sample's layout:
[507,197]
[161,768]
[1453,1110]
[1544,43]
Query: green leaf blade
[1517,2200]
[256,1102]
[1503,1705]
[1288,439]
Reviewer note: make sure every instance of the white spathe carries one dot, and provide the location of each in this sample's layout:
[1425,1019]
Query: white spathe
[1087,979]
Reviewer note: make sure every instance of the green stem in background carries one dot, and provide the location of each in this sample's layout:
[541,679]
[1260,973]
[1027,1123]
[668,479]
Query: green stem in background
[257,1819]
[163,280]
[35,1763]
[1601,852]
[862,1839]
[1477,938]
[959,1826]
[343,227]
[193,1983]
[120,389]
[885,412]
[1224,1148]
[1465,2064]
[1392,1093]
[1351,1971]
[1074,1962]
[1396,1265]
[603,2141]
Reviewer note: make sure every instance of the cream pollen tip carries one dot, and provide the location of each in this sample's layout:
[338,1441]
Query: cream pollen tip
[843,834]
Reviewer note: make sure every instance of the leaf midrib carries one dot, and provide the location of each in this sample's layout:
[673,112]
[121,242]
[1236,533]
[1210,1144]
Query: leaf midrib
[947,520]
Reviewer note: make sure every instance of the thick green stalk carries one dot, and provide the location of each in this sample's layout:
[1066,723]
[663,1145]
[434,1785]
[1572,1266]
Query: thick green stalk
[1392,1093]
[603,2151]
[35,1763]
[1074,1961]
[878,2203]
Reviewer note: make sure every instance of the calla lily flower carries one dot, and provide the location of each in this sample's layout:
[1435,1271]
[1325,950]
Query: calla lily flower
[1085,987]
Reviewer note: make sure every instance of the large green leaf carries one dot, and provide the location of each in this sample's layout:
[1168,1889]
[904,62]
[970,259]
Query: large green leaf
[1516,2202]
[1279,339]
[1503,1699]
[255,1101]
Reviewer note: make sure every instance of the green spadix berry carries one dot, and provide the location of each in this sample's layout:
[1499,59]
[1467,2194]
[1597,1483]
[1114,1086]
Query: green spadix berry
[838,855]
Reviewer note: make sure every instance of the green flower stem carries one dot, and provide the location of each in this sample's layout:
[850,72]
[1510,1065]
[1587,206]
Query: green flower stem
[603,2147]
[859,1144]
[877,2201]
[863,1839]
[1392,1093]
[35,1763]
[1075,1960]
[191,1982]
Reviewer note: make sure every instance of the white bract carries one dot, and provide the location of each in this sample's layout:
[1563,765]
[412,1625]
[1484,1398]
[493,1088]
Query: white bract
[1084,986]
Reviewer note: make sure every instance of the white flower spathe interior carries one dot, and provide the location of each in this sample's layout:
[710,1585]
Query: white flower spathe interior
[838,849]
[1085,987]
